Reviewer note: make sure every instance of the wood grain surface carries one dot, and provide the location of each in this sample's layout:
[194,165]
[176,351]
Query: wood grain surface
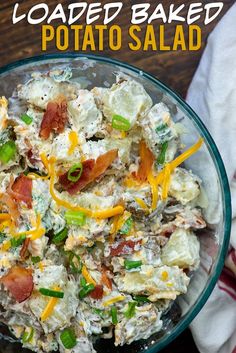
[176,69]
[173,68]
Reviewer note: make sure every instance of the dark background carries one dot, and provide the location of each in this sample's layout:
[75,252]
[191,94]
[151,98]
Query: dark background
[176,69]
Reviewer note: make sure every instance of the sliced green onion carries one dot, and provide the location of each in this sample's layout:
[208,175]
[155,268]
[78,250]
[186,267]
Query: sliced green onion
[83,282]
[141,299]
[51,293]
[59,237]
[75,218]
[75,263]
[68,338]
[120,123]
[86,290]
[126,228]
[7,151]
[75,172]
[130,312]
[114,317]
[161,127]
[162,155]
[129,265]
[26,118]
[15,242]
[101,313]
[27,336]
[35,259]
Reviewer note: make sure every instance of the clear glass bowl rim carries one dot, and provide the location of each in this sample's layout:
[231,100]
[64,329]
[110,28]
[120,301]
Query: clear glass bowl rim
[219,165]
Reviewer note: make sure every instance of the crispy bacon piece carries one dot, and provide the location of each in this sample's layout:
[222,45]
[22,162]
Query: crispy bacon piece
[123,248]
[146,162]
[19,282]
[97,293]
[105,279]
[54,119]
[91,171]
[21,190]
[24,248]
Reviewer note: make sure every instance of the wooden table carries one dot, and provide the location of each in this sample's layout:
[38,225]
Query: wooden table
[174,68]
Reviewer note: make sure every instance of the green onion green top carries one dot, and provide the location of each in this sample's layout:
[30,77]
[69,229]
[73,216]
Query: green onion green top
[129,265]
[114,317]
[75,263]
[59,237]
[68,338]
[120,123]
[75,172]
[26,118]
[126,228]
[130,312]
[162,155]
[15,242]
[51,293]
[27,336]
[86,290]
[35,259]
[141,299]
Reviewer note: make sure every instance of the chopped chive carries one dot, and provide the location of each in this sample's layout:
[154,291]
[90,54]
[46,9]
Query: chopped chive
[75,218]
[68,338]
[129,265]
[27,336]
[7,151]
[35,259]
[83,282]
[75,263]
[51,293]
[75,172]
[126,228]
[130,312]
[114,317]
[161,127]
[26,118]
[162,155]
[59,237]
[141,299]
[86,290]
[120,123]
[15,242]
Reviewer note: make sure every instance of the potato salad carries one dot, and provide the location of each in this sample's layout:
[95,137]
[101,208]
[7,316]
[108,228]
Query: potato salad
[99,217]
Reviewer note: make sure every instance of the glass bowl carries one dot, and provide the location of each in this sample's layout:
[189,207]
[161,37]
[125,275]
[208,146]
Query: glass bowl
[92,71]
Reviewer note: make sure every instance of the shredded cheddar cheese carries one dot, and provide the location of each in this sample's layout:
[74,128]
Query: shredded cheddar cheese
[33,233]
[50,306]
[164,276]
[87,276]
[41,266]
[114,300]
[141,203]
[74,141]
[163,178]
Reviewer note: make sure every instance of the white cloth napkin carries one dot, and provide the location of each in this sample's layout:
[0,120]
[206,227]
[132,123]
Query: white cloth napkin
[212,94]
